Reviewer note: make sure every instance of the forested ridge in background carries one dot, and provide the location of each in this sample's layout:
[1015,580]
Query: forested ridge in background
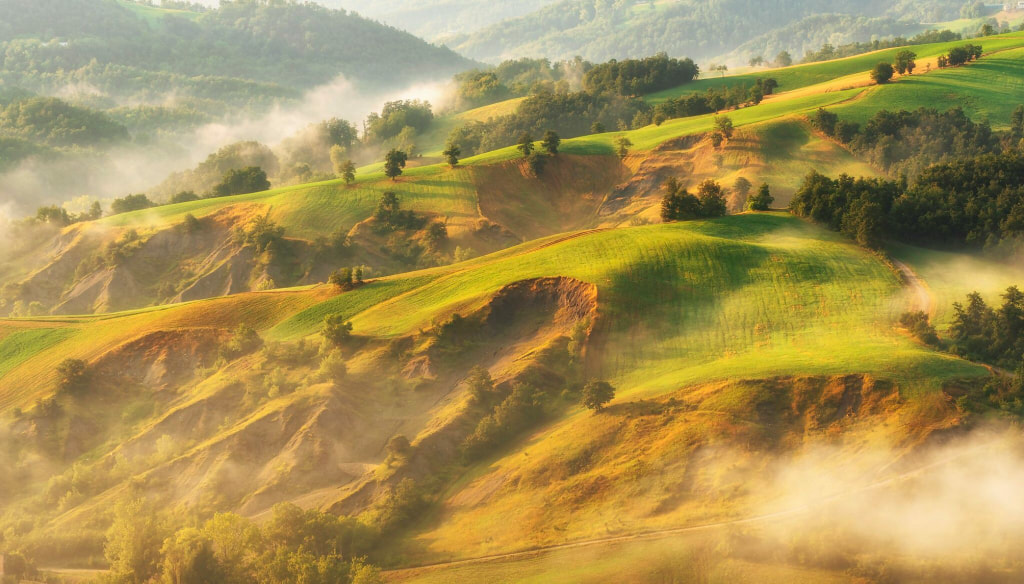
[599,30]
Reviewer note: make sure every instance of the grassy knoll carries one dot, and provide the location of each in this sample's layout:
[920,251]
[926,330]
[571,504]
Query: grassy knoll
[799,76]
[750,295]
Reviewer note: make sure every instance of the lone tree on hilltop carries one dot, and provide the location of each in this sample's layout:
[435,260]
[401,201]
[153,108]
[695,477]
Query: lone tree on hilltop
[394,162]
[525,144]
[882,73]
[596,394]
[550,142]
[451,154]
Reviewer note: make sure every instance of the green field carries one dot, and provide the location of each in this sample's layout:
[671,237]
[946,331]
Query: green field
[989,88]
[799,76]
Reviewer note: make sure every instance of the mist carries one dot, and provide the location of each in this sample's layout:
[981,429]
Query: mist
[134,168]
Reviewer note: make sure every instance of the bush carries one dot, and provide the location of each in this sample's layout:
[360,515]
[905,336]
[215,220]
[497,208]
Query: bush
[882,73]
[333,368]
[918,324]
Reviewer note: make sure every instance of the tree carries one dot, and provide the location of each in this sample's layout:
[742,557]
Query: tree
[783,59]
[437,234]
[133,542]
[394,162]
[338,155]
[348,172]
[882,73]
[763,200]
[525,144]
[342,278]
[189,559]
[724,126]
[596,394]
[597,128]
[623,145]
[480,383]
[677,204]
[72,375]
[742,186]
[826,121]
[905,63]
[550,142]
[712,199]
[240,181]
[452,153]
[336,329]
[333,367]
[756,61]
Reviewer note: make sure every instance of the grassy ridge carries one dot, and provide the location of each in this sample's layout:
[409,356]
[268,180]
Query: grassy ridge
[799,76]
[990,88]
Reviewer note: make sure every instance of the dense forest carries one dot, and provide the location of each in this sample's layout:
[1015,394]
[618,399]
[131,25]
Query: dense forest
[976,202]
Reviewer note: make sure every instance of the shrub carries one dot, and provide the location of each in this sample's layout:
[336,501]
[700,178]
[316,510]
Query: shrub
[72,376]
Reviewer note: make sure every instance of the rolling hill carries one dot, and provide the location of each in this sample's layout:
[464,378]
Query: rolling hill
[192,355]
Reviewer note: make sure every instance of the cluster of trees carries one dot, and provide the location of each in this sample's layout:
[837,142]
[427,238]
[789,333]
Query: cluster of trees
[827,52]
[679,205]
[994,335]
[905,142]
[974,201]
[294,546]
[634,77]
[411,116]
[711,101]
[568,114]
[960,55]
[210,173]
[517,78]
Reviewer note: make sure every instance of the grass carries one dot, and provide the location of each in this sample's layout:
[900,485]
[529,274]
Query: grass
[799,76]
[951,276]
[989,88]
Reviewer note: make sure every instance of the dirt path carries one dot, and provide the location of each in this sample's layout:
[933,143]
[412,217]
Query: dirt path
[662,533]
[921,297]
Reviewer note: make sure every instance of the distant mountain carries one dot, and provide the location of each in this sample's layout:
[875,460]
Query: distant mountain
[600,30]
[269,48]
[439,19]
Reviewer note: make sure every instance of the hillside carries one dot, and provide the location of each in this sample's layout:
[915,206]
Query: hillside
[696,28]
[751,297]
[489,201]
[177,81]
[499,371]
